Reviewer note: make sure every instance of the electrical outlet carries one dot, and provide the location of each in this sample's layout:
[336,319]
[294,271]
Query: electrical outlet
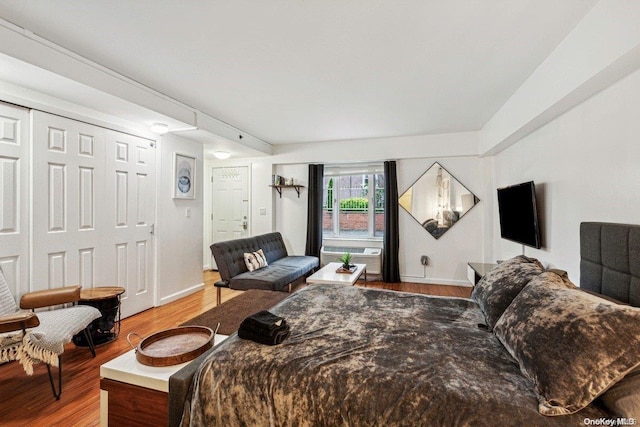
[424,260]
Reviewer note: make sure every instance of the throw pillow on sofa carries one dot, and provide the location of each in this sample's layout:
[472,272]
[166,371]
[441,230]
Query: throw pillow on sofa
[255,260]
[495,291]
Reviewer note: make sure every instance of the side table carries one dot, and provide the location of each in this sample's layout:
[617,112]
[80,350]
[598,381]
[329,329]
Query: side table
[476,270]
[107,327]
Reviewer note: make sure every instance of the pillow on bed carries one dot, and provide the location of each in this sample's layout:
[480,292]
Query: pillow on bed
[495,291]
[623,399]
[255,260]
[572,345]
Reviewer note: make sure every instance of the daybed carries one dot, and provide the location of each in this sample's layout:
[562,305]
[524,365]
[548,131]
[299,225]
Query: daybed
[282,269]
[530,349]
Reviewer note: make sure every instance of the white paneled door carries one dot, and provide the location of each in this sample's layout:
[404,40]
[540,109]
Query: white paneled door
[130,218]
[14,197]
[93,209]
[230,203]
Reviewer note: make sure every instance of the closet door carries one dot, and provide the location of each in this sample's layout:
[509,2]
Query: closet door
[68,174]
[14,197]
[85,195]
[131,217]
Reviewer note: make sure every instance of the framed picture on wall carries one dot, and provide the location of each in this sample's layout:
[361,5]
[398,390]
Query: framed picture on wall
[184,176]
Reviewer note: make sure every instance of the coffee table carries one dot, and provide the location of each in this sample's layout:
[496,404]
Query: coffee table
[327,274]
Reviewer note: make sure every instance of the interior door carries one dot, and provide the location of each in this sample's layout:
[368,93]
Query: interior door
[131,217]
[68,176]
[14,197]
[230,203]
[93,207]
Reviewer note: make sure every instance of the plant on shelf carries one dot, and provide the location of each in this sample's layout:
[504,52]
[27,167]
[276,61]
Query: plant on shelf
[346,260]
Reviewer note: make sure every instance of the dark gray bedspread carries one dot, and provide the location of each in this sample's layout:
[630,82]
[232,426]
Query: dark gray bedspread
[363,357]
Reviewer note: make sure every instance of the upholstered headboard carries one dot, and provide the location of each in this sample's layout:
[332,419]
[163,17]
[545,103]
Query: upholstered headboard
[610,260]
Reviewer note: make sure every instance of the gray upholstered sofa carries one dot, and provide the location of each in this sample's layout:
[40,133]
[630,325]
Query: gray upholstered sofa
[283,269]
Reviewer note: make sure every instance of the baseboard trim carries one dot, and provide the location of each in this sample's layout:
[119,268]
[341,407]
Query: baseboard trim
[183,293]
[435,281]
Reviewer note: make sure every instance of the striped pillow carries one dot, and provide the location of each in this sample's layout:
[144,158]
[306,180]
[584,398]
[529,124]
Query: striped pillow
[255,260]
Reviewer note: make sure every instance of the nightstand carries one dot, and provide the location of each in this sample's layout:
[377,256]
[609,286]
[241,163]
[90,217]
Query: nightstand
[476,270]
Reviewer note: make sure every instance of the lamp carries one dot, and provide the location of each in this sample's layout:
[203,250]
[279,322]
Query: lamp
[159,128]
[222,155]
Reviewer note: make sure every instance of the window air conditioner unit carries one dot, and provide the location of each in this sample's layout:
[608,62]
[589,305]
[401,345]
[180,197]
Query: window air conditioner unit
[372,257]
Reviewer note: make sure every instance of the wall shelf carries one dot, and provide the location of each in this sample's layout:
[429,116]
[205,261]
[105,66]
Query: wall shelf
[280,187]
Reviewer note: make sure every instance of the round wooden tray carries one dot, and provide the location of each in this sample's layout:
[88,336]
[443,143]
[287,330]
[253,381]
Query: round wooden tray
[173,346]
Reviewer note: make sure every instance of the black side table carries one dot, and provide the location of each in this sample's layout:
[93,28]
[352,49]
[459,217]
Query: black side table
[107,327]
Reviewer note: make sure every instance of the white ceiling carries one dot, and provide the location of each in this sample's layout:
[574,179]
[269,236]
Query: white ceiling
[315,70]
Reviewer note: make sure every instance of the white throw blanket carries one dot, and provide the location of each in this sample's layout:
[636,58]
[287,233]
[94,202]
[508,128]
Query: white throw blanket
[10,344]
[46,342]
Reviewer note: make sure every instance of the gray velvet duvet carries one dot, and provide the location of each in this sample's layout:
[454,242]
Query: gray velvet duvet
[363,357]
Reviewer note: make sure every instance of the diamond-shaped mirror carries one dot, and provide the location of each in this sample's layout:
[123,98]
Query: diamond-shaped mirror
[437,200]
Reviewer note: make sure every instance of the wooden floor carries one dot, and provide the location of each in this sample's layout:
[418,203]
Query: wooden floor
[28,401]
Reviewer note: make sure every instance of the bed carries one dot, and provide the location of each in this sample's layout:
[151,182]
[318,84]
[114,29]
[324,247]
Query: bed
[527,349]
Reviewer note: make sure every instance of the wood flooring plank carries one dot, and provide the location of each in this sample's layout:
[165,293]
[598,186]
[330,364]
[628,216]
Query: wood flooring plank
[28,401]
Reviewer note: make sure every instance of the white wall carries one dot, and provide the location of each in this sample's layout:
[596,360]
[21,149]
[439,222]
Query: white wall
[179,238]
[290,212]
[457,152]
[448,255]
[262,196]
[586,165]
[463,243]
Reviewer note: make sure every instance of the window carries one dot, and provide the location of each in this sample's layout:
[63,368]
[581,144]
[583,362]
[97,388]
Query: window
[353,202]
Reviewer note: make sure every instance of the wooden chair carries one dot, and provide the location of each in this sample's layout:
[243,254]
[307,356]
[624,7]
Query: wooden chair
[32,337]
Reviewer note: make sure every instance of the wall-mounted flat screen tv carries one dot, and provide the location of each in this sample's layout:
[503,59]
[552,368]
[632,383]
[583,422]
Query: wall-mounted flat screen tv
[518,214]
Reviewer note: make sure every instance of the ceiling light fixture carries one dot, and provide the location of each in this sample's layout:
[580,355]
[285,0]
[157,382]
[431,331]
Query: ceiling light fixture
[222,155]
[159,128]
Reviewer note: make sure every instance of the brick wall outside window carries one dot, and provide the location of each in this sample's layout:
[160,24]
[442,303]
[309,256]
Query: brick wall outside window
[352,221]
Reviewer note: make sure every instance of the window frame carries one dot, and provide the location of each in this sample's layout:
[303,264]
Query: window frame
[369,172]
